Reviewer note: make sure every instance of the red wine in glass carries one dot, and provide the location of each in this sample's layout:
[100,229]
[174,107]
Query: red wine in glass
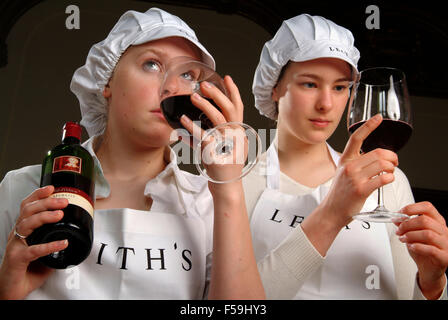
[390,134]
[175,106]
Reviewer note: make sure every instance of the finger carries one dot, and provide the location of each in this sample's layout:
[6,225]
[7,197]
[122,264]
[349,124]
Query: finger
[420,223]
[424,208]
[212,113]
[40,250]
[235,97]
[29,224]
[228,109]
[377,182]
[423,236]
[354,144]
[378,155]
[196,131]
[42,205]
[376,168]
[429,251]
[37,194]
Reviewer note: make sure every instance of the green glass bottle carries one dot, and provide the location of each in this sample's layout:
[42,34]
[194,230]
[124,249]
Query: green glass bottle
[70,169]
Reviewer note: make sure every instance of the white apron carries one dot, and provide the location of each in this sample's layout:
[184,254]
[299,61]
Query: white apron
[136,255]
[359,263]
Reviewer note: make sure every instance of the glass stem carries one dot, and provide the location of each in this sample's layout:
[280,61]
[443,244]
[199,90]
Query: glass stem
[381,206]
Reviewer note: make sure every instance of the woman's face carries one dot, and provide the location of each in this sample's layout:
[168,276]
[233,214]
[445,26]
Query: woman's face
[311,98]
[133,91]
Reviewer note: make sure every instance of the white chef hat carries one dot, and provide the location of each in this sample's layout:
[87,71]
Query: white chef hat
[299,39]
[133,28]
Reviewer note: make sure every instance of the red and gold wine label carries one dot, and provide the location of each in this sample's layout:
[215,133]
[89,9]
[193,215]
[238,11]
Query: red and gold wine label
[74,196]
[67,163]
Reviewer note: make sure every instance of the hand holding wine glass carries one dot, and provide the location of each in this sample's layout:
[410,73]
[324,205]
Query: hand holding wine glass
[382,91]
[225,148]
[357,176]
[212,159]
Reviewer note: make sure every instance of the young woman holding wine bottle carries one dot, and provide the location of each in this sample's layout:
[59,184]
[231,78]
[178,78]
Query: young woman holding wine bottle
[156,227]
[302,195]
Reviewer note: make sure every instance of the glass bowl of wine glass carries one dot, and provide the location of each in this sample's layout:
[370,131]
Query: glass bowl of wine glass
[381,90]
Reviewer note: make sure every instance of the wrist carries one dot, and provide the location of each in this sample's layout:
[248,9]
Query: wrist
[321,228]
[431,288]
[227,191]
[334,216]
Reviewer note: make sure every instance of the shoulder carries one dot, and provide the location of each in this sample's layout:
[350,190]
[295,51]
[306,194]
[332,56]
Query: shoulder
[18,184]
[400,176]
[401,182]
[23,178]
[398,193]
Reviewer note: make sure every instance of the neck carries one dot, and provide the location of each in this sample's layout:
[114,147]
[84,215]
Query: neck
[124,161]
[308,164]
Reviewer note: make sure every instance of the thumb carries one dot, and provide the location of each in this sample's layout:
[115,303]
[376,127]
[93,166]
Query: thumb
[354,144]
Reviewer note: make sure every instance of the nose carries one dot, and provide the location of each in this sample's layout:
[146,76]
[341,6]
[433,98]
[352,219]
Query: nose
[170,87]
[325,101]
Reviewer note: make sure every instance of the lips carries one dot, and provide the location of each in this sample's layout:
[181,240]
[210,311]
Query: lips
[158,112]
[321,123]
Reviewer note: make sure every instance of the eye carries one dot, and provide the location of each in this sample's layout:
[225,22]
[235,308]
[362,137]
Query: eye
[340,88]
[343,86]
[187,76]
[151,65]
[191,75]
[309,85]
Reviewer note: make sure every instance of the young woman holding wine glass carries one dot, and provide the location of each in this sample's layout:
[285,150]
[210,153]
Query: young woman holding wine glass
[302,195]
[159,232]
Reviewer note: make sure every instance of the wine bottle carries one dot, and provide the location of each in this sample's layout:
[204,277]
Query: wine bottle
[70,169]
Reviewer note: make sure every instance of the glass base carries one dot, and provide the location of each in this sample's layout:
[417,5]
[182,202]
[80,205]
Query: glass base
[234,146]
[381,215]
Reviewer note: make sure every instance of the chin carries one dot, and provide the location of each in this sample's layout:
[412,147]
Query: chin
[318,138]
[163,139]
[156,136]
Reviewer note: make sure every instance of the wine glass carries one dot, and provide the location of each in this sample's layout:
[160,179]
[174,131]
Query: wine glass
[232,143]
[381,90]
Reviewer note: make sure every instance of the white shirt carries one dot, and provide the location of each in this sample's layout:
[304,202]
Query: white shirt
[172,191]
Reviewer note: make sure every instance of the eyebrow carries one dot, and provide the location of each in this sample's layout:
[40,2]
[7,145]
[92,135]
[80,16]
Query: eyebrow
[317,77]
[157,52]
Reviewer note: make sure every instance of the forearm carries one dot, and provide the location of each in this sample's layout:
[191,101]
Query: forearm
[285,269]
[321,228]
[234,272]
[289,265]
